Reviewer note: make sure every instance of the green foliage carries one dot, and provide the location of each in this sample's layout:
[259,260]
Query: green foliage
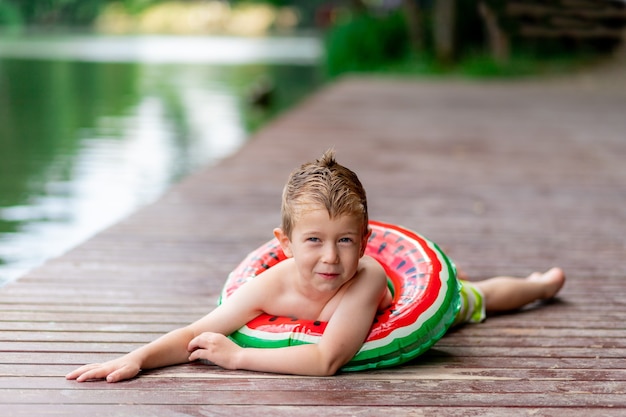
[9,15]
[365,42]
[48,12]
[481,65]
[370,43]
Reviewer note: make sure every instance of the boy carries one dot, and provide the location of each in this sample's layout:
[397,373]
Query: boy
[326,277]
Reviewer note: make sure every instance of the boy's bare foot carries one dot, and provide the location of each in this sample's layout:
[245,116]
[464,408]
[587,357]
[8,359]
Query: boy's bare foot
[552,281]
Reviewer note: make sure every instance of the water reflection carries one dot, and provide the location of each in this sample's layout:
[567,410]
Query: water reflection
[82,144]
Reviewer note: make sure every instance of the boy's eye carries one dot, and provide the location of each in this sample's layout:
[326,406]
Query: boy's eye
[345,240]
[313,239]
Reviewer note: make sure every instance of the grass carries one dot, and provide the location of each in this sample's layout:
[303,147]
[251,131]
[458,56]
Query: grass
[481,65]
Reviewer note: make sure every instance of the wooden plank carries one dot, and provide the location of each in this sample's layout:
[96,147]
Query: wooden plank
[535,370]
[181,319]
[19,410]
[591,11]
[454,383]
[311,398]
[565,32]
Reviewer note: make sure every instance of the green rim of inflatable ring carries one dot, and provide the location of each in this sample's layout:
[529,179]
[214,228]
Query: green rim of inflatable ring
[425,300]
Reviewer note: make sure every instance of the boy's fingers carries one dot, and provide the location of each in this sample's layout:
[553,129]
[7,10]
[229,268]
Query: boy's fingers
[115,376]
[112,372]
[198,342]
[126,372]
[196,354]
[75,374]
[97,373]
[72,375]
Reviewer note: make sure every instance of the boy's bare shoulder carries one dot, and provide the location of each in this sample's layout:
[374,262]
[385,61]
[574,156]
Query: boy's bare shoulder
[372,270]
[376,278]
[370,263]
[278,273]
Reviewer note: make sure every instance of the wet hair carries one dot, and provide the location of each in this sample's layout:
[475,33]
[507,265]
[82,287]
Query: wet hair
[324,183]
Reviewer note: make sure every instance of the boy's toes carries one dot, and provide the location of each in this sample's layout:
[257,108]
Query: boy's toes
[554,278]
[552,281]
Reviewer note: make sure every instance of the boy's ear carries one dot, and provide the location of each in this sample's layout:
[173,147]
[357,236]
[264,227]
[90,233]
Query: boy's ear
[284,241]
[364,241]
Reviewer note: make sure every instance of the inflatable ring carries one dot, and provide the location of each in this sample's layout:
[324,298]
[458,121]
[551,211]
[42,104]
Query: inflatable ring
[425,300]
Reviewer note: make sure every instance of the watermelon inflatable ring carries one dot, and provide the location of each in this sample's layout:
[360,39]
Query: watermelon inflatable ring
[425,300]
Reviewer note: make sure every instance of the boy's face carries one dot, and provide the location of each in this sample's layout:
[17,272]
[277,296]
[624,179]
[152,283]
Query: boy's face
[326,251]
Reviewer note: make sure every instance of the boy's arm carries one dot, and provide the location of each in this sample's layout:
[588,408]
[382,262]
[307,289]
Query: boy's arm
[167,350]
[343,336]
[173,347]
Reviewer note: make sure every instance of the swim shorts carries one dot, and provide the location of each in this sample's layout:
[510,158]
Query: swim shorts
[472,306]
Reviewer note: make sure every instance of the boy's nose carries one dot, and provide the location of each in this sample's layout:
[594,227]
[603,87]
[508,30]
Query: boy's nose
[331,254]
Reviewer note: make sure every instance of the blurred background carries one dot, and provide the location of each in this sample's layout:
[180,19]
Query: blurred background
[104,104]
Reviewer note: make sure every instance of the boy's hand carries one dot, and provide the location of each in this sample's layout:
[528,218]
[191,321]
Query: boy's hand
[215,348]
[113,371]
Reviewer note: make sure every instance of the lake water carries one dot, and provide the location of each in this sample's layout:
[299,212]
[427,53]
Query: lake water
[93,127]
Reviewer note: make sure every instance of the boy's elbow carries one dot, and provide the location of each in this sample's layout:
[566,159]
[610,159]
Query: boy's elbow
[322,359]
[327,370]
[330,366]
[334,369]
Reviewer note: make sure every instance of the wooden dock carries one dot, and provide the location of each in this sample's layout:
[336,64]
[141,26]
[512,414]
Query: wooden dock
[507,177]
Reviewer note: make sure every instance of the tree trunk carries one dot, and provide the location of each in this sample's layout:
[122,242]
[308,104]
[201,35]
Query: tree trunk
[413,16]
[444,23]
[498,40]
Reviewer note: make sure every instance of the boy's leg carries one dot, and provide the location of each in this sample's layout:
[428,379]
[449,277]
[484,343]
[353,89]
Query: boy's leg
[509,293]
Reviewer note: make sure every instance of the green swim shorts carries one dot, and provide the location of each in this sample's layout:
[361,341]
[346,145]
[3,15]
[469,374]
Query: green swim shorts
[472,306]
